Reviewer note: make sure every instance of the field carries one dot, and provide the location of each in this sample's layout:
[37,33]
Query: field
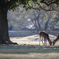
[28,48]
[32,40]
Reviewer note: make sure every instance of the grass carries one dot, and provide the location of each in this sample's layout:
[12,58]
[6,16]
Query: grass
[28,52]
[28,44]
[29,48]
[25,52]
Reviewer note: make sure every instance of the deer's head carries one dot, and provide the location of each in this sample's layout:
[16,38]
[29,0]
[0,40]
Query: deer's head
[50,43]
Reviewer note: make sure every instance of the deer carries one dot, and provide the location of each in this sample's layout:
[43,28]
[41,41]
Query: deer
[45,36]
[55,40]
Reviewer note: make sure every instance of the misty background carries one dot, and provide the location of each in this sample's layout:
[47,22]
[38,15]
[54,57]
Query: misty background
[22,22]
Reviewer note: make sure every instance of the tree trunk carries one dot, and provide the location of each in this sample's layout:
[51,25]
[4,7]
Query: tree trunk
[46,24]
[4,36]
[35,24]
[39,24]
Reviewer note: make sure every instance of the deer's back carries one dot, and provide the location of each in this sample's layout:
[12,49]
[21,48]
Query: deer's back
[43,34]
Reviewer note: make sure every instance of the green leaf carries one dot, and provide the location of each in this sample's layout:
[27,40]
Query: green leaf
[8,0]
[26,8]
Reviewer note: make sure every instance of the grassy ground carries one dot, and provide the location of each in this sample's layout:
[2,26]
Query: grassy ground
[32,40]
[28,52]
[28,48]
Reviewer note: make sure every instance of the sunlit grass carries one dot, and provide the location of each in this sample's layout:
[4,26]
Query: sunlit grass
[32,40]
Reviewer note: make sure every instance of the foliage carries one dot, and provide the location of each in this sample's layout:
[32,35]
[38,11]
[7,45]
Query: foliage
[28,4]
[49,2]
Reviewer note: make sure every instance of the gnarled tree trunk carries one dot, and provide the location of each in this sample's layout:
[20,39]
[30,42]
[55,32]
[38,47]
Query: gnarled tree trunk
[4,36]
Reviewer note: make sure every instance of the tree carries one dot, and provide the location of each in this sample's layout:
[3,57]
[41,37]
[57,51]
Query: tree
[46,24]
[6,5]
[35,21]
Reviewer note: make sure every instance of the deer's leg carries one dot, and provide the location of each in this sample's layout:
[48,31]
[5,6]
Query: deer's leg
[39,40]
[45,42]
[42,42]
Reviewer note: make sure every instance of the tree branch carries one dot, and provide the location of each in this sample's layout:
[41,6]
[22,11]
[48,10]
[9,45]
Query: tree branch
[48,4]
[34,8]
[50,9]
[9,3]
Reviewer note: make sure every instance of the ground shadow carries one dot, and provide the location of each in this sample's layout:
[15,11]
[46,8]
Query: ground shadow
[23,49]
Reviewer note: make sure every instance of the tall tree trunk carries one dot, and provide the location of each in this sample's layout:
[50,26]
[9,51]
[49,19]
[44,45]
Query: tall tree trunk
[39,24]
[35,24]
[46,24]
[4,36]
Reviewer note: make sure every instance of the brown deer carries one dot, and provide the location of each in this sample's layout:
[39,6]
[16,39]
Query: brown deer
[56,40]
[45,36]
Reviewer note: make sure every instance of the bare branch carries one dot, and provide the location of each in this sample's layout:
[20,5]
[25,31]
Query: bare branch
[50,8]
